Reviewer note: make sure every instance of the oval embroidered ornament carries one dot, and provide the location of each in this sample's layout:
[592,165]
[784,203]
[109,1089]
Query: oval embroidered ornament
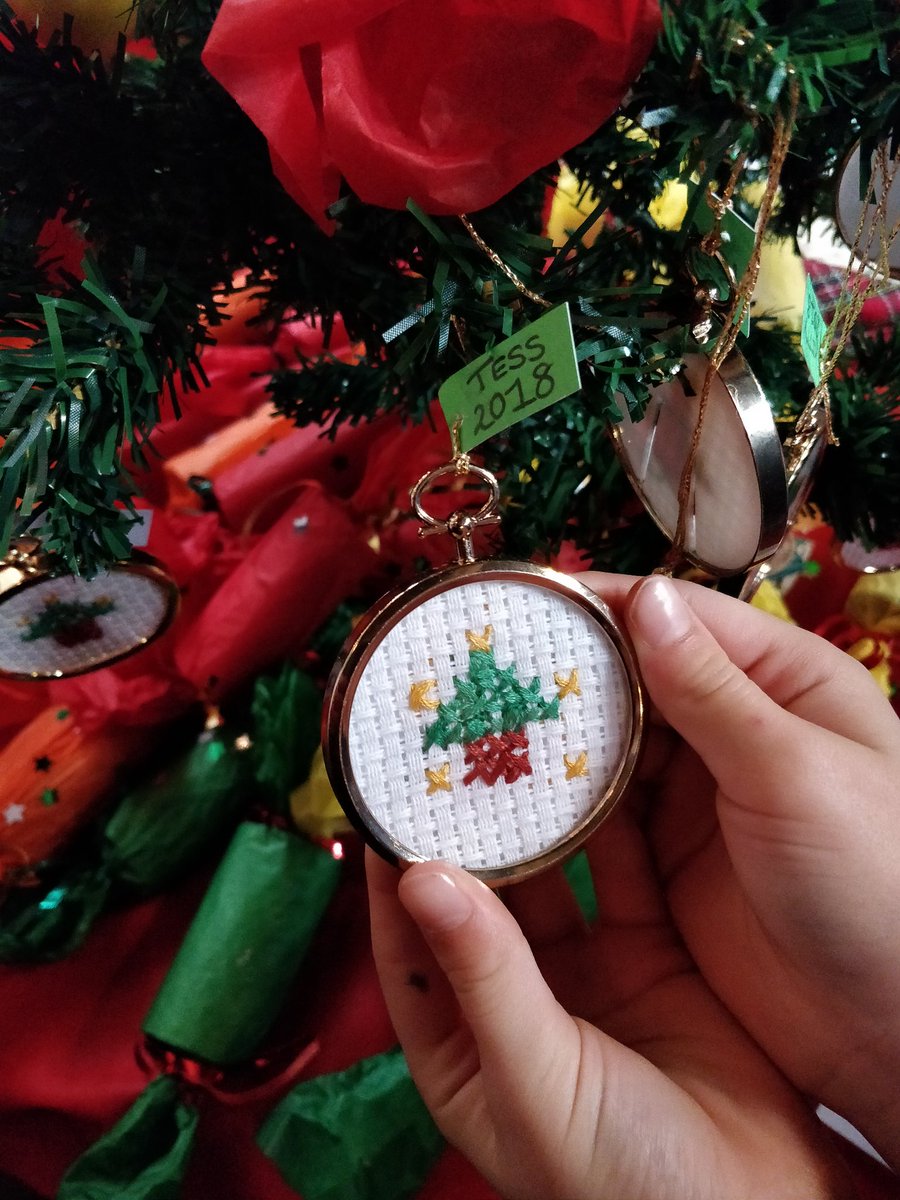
[488,715]
[56,625]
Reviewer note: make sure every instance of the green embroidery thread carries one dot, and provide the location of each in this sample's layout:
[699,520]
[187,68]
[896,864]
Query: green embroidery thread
[69,622]
[491,700]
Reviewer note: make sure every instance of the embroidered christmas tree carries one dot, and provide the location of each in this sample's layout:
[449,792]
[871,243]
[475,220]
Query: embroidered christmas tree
[488,715]
[68,622]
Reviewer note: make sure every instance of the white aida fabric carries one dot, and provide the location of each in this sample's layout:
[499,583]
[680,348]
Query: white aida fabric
[139,607]
[479,824]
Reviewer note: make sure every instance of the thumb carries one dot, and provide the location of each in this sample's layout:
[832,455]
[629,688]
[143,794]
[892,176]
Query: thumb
[740,733]
[519,1028]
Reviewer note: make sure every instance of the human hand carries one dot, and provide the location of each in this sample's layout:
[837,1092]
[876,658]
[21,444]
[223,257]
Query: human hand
[653,1093]
[672,1097]
[775,829]
[600,1065]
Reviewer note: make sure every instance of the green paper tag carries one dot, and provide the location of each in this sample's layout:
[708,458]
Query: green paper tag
[738,237]
[812,332]
[529,371]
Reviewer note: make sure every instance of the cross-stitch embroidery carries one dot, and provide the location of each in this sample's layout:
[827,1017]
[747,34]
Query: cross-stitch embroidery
[438,779]
[488,714]
[68,622]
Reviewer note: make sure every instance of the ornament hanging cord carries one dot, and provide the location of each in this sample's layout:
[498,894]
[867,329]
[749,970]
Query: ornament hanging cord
[711,241]
[851,299]
[501,265]
[781,140]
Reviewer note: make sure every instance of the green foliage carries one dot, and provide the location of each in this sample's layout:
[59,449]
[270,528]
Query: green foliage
[171,187]
[858,487]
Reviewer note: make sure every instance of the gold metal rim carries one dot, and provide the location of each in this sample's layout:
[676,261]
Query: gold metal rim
[19,580]
[377,623]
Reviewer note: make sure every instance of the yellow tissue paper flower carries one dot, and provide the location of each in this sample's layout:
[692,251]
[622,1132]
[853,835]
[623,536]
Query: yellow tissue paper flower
[864,650]
[314,807]
[770,600]
[569,208]
[781,284]
[874,602]
[670,206]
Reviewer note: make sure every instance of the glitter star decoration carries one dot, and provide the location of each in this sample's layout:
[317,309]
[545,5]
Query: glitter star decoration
[13,814]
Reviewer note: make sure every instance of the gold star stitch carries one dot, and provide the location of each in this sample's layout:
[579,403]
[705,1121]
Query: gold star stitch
[439,780]
[567,686]
[480,641]
[419,700]
[575,766]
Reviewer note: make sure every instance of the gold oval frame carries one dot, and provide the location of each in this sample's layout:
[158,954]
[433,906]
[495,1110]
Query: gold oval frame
[388,612]
[22,575]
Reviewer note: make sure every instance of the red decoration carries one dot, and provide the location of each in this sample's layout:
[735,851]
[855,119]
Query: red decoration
[450,102]
[496,755]
[291,580]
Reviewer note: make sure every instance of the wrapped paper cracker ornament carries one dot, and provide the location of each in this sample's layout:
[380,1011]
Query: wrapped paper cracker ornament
[239,440]
[152,837]
[228,980]
[55,777]
[359,1134]
[292,579]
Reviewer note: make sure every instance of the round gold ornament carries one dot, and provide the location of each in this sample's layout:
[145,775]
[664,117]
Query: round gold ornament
[488,714]
[866,214]
[805,452]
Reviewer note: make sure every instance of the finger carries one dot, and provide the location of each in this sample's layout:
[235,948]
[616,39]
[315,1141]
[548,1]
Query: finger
[658,746]
[731,720]
[420,1001]
[625,882]
[744,737]
[524,1037]
[800,671]
[545,908]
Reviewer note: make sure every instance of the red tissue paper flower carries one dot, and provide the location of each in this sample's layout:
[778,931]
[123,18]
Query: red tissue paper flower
[450,102]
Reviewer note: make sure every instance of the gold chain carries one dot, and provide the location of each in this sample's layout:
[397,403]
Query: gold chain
[781,140]
[501,265]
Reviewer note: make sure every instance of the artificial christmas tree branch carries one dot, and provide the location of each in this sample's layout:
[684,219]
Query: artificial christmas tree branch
[170,186]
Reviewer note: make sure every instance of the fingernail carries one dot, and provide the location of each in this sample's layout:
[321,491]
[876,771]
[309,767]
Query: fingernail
[658,614]
[434,901]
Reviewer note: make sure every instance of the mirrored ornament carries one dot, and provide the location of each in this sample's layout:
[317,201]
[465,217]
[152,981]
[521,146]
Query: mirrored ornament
[857,204]
[734,501]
